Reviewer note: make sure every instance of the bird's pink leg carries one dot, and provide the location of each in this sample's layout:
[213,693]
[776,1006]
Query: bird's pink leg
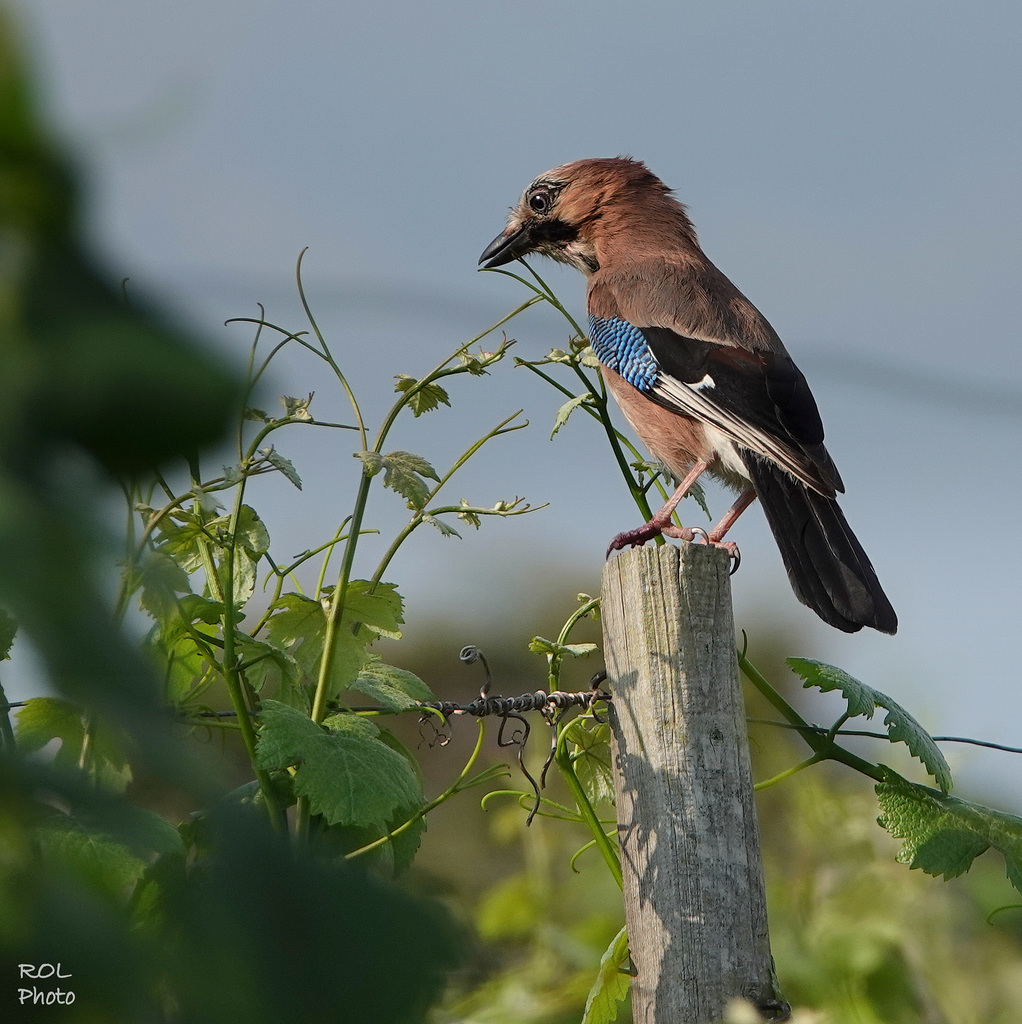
[716,535]
[661,521]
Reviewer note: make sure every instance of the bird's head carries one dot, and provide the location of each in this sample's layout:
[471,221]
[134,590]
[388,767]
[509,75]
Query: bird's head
[568,213]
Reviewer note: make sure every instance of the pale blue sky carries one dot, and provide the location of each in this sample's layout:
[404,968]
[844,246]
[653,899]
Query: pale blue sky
[853,167]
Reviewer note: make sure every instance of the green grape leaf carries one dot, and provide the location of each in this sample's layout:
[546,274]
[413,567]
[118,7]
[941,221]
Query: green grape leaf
[943,834]
[266,667]
[398,854]
[379,607]
[162,580]
[8,629]
[698,495]
[394,688]
[445,529]
[286,466]
[298,625]
[107,864]
[423,399]
[200,609]
[405,473]
[646,467]
[251,533]
[43,719]
[372,462]
[180,660]
[594,612]
[539,645]
[180,533]
[49,718]
[390,858]
[567,409]
[252,541]
[476,363]
[863,701]
[402,472]
[612,984]
[347,773]
[591,758]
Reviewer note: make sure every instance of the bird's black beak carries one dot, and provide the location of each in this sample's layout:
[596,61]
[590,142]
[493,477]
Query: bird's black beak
[505,248]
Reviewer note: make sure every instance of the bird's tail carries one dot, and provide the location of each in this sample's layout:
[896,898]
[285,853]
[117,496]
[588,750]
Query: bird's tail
[828,569]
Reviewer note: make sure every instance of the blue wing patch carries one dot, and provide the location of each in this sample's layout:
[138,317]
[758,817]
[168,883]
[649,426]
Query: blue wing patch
[621,346]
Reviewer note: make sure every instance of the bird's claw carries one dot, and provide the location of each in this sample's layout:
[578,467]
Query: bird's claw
[732,549]
[635,538]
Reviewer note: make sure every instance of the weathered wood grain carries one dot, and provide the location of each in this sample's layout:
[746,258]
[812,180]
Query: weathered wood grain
[693,876]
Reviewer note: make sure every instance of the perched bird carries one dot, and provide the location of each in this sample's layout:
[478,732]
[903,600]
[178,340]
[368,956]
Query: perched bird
[701,376]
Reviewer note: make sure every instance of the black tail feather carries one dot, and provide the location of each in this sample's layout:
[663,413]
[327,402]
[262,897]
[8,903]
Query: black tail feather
[828,569]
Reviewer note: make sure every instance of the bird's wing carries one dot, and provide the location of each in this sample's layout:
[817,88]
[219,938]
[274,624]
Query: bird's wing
[757,397]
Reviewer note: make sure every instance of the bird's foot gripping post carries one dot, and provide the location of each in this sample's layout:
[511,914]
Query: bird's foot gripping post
[693,876]
[654,528]
[661,521]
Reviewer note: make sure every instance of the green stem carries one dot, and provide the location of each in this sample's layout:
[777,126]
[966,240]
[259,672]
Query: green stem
[338,536]
[822,745]
[327,354]
[333,621]
[416,519]
[585,808]
[637,492]
[336,613]
[212,723]
[7,742]
[86,759]
[599,410]
[361,497]
[600,397]
[580,613]
[554,660]
[438,371]
[836,727]
[240,693]
[548,294]
[789,772]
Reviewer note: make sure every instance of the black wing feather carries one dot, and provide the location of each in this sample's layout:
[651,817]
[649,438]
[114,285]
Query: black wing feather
[761,390]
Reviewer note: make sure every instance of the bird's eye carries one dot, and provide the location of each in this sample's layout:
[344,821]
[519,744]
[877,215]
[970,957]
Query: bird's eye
[540,201]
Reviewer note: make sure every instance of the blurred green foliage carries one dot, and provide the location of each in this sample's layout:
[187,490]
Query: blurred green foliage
[91,384]
[227,921]
[855,934]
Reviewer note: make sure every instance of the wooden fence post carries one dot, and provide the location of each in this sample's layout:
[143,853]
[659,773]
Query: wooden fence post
[693,874]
